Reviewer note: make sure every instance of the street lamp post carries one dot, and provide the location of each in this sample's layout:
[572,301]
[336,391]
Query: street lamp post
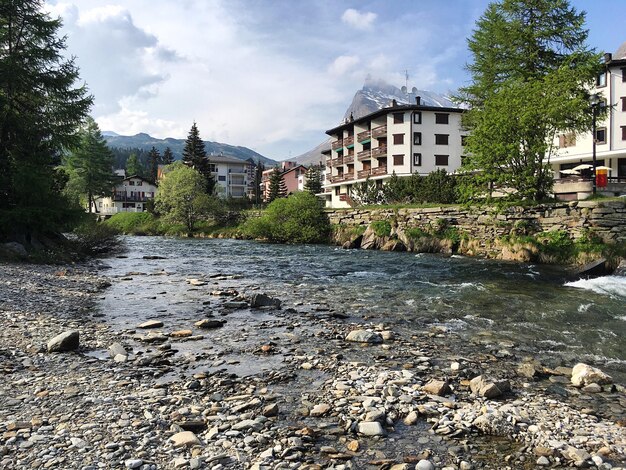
[594,101]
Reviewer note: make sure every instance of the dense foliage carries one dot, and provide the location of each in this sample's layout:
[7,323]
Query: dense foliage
[154,159]
[277,187]
[298,218]
[194,156]
[530,74]
[90,167]
[313,180]
[41,109]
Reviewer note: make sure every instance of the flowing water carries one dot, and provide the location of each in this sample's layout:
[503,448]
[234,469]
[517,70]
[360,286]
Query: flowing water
[538,308]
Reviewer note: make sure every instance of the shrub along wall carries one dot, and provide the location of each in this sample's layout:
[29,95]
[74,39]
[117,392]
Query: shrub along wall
[483,229]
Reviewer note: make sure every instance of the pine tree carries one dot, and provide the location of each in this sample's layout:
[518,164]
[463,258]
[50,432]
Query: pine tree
[133,166]
[90,166]
[42,109]
[194,156]
[530,74]
[277,185]
[313,179]
[258,178]
[168,157]
[154,157]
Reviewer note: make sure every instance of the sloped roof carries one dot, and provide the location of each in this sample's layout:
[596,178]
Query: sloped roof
[621,52]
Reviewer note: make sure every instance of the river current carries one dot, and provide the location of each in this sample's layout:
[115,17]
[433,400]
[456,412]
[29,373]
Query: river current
[536,309]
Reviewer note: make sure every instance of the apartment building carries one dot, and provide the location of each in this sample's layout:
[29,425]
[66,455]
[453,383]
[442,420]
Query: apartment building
[575,150]
[292,174]
[401,138]
[231,175]
[130,195]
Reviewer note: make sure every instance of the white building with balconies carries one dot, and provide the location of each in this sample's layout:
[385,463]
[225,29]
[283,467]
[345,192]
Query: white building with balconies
[130,195]
[231,175]
[401,138]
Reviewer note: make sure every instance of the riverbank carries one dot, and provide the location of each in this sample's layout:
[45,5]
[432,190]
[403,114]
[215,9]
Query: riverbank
[320,401]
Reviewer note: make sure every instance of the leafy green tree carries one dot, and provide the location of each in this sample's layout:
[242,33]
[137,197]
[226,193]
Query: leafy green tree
[134,166]
[154,157]
[298,218]
[168,157]
[41,109]
[313,179]
[368,192]
[182,198]
[194,156]
[530,73]
[277,187]
[90,166]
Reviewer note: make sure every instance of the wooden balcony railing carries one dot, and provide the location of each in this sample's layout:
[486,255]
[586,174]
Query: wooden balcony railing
[348,141]
[363,173]
[361,136]
[342,178]
[379,151]
[380,131]
[364,155]
[337,144]
[348,159]
[348,176]
[337,161]
[381,170]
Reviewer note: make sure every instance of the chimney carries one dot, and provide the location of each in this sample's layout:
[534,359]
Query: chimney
[394,103]
[418,100]
[607,57]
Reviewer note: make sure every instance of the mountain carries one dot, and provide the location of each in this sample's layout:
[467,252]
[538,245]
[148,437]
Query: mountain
[146,142]
[374,95]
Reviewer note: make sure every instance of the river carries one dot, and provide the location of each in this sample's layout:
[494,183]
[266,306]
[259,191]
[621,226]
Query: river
[533,308]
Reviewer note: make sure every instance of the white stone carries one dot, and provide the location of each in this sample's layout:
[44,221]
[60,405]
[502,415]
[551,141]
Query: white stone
[543,461]
[364,336]
[583,374]
[185,438]
[371,428]
[424,465]
[133,463]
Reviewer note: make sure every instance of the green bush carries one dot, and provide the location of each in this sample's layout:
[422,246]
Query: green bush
[382,228]
[298,218]
[134,223]
[96,238]
[415,233]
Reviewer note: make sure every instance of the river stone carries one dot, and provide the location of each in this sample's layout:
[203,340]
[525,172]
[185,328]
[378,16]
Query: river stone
[437,387]
[583,374]
[424,465]
[320,410]
[181,333]
[185,439]
[270,410]
[578,456]
[196,282]
[116,349]
[371,428]
[208,323]
[150,324]
[264,300]
[67,341]
[484,387]
[543,461]
[394,245]
[133,463]
[364,336]
[15,248]
[411,418]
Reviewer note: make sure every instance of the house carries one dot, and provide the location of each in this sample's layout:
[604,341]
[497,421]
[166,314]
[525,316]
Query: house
[401,138]
[293,176]
[231,175]
[130,195]
[575,150]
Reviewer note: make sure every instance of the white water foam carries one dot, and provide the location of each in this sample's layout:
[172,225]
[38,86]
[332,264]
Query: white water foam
[614,286]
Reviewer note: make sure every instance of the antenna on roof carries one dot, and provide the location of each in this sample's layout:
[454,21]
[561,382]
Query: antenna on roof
[406,80]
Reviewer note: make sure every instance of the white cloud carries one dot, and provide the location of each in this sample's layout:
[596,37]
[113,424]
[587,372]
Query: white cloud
[357,19]
[343,64]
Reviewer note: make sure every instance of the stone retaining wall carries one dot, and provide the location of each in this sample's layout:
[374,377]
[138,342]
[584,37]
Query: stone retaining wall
[607,219]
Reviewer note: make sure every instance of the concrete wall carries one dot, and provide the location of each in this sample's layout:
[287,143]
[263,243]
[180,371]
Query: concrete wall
[606,219]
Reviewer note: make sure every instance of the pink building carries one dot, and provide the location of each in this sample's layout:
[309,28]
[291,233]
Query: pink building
[292,175]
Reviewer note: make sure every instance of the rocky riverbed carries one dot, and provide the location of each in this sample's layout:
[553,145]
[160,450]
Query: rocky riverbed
[335,391]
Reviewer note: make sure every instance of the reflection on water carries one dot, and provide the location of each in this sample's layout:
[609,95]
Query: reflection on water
[534,306]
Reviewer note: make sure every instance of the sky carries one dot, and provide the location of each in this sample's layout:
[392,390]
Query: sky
[271,75]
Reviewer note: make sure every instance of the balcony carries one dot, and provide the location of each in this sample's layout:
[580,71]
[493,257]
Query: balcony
[380,131]
[361,136]
[379,152]
[237,171]
[337,161]
[337,144]
[348,159]
[125,197]
[342,178]
[343,197]
[348,141]
[363,173]
[364,155]
[381,170]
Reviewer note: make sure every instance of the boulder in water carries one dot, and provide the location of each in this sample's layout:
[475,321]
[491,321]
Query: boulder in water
[583,374]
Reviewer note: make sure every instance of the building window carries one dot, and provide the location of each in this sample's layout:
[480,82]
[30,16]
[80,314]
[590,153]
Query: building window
[398,139]
[212,168]
[567,140]
[221,178]
[463,140]
[624,74]
[623,103]
[398,118]
[441,118]
[131,183]
[398,160]
[601,135]
[623,132]
[417,138]
[441,160]
[417,117]
[441,139]
[139,183]
[601,79]
[417,159]
[337,188]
